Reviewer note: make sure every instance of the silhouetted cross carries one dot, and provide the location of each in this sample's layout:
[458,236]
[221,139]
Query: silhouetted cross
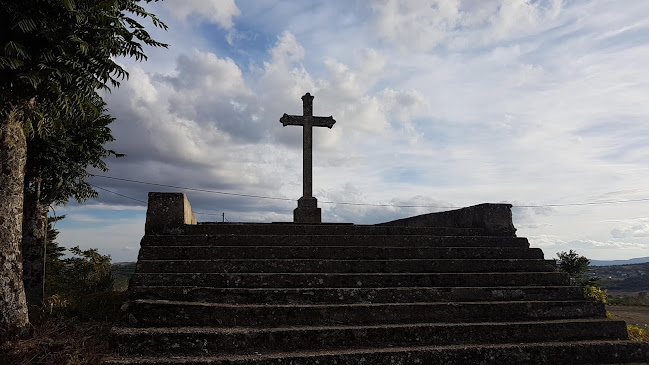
[307,120]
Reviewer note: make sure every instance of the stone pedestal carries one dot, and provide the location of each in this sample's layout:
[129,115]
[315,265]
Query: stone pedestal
[307,211]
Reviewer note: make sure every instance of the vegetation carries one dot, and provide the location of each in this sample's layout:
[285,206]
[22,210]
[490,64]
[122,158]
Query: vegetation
[639,300]
[55,55]
[56,171]
[576,266]
[596,293]
[638,333]
[73,323]
[624,278]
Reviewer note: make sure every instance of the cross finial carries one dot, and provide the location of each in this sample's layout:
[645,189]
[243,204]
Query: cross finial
[307,105]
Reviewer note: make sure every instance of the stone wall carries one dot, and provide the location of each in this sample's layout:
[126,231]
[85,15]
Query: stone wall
[496,219]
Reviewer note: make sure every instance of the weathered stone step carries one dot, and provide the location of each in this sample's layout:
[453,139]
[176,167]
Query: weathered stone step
[153,313]
[353,295]
[348,280]
[326,229]
[344,266]
[206,340]
[334,252]
[322,240]
[553,353]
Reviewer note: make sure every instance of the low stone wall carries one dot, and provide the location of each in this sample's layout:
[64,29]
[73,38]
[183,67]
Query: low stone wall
[168,213]
[496,219]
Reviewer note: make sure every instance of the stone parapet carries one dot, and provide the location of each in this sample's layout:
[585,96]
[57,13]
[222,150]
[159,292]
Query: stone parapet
[495,219]
[168,213]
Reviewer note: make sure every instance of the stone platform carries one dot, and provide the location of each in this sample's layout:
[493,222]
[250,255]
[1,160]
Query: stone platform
[451,288]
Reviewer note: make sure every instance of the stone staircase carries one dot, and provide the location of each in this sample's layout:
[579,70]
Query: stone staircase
[350,294]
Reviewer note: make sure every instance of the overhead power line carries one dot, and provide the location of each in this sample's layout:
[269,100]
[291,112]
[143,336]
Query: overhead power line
[116,193]
[193,189]
[350,203]
[138,200]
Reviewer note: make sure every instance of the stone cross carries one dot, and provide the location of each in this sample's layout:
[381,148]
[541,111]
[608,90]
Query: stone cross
[307,206]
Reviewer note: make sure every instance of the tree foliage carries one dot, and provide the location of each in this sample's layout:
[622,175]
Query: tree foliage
[576,266]
[60,164]
[61,52]
[85,272]
[573,264]
[53,258]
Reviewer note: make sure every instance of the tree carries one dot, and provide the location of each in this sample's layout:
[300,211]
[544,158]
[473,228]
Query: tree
[54,265]
[55,172]
[54,57]
[573,264]
[576,266]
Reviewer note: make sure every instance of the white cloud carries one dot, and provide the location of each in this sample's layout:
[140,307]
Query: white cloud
[210,75]
[520,16]
[424,24]
[220,12]
[640,229]
[420,24]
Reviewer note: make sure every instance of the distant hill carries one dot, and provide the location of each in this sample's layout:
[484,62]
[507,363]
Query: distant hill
[629,278]
[637,260]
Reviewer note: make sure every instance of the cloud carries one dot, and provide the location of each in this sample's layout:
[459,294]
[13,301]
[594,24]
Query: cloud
[581,244]
[419,25]
[425,24]
[520,16]
[637,230]
[355,208]
[220,12]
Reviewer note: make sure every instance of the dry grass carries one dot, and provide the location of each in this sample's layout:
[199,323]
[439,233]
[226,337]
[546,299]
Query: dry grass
[59,342]
[66,332]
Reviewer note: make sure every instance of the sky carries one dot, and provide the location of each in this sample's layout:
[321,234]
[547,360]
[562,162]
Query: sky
[440,104]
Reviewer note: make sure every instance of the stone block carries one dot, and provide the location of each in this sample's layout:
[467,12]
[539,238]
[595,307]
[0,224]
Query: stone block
[168,213]
[307,211]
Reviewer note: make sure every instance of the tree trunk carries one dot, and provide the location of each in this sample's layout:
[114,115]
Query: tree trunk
[33,242]
[13,150]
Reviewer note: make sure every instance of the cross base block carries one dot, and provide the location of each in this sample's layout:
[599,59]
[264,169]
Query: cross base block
[307,211]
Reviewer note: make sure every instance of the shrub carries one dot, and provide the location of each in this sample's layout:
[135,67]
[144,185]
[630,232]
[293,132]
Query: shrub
[637,333]
[596,293]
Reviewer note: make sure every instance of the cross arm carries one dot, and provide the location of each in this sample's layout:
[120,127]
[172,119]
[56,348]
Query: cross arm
[324,122]
[291,120]
[315,121]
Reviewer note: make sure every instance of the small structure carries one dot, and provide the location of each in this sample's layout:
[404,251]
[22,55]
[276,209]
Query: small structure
[307,210]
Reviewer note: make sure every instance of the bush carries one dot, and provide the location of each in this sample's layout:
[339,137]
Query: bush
[637,333]
[87,273]
[596,293]
[576,267]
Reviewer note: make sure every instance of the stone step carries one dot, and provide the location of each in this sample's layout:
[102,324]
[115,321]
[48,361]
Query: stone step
[326,229]
[353,295]
[542,353]
[334,252]
[348,280]
[322,240]
[343,266]
[206,340]
[153,313]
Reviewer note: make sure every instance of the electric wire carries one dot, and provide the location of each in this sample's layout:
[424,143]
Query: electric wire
[355,204]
